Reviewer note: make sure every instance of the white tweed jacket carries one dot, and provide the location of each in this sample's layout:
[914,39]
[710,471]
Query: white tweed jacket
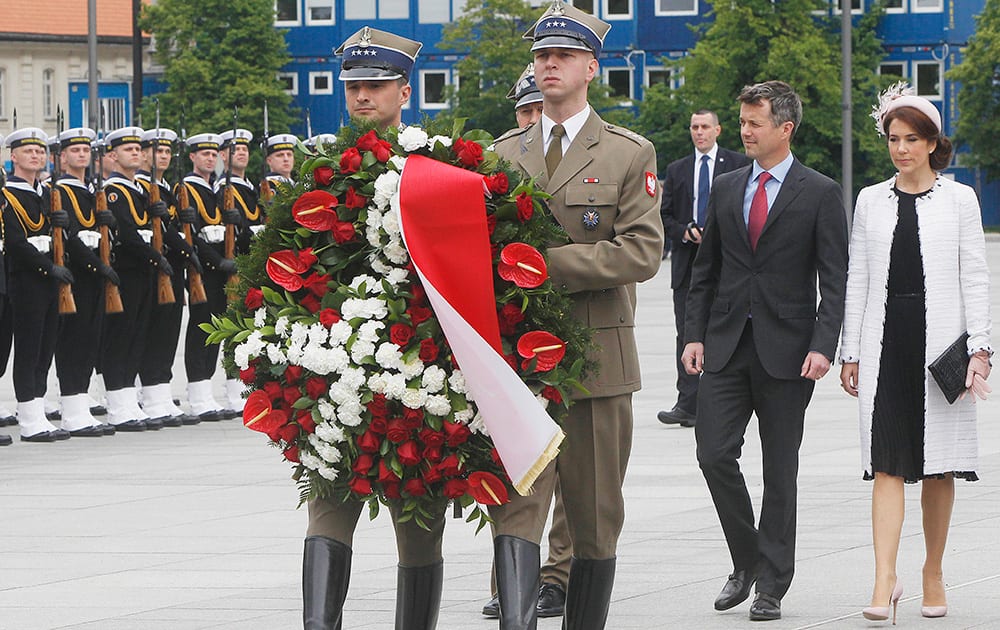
[956,282]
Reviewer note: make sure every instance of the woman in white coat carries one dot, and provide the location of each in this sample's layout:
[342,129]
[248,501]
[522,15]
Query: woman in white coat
[917,280]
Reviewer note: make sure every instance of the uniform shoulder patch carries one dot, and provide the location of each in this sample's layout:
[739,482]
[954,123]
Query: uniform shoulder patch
[511,133]
[112,197]
[627,133]
[651,184]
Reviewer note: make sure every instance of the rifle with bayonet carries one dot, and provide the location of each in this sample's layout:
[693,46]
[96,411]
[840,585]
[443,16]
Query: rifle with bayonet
[67,305]
[266,190]
[112,297]
[196,289]
[164,287]
[228,203]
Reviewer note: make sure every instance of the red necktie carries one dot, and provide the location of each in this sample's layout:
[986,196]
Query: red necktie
[758,211]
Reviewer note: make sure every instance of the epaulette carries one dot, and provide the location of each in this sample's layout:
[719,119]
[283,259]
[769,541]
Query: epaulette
[513,132]
[627,133]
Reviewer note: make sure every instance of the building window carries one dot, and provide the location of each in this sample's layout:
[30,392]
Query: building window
[289,82]
[617,9]
[856,6]
[440,11]
[658,76]
[320,12]
[359,10]
[584,5]
[48,96]
[676,7]
[111,110]
[321,82]
[432,89]
[893,6]
[892,68]
[619,82]
[928,79]
[286,12]
[926,6]
[393,9]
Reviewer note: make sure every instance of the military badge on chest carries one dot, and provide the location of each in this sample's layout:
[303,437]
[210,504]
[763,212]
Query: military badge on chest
[591,218]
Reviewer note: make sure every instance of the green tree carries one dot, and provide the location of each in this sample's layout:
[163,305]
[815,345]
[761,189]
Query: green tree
[757,40]
[217,55]
[979,94]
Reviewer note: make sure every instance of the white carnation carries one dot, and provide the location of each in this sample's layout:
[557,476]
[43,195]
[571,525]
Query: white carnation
[395,252]
[349,414]
[389,356]
[377,383]
[330,453]
[330,474]
[414,398]
[478,425]
[379,266]
[330,433]
[318,334]
[412,138]
[241,355]
[259,317]
[412,368]
[371,308]
[397,276]
[368,331]
[372,286]
[281,327]
[463,416]
[398,161]
[361,350]
[444,141]
[340,333]
[310,461]
[390,223]
[353,377]
[327,410]
[456,382]
[275,354]
[437,405]
[395,385]
[433,379]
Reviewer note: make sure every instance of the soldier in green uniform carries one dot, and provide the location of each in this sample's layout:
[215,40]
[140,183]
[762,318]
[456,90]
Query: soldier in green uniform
[606,196]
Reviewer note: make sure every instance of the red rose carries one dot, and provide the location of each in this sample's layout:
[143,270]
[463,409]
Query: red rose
[455,488]
[360,486]
[498,183]
[289,432]
[363,464]
[371,142]
[254,299]
[316,387]
[409,453]
[419,295]
[391,491]
[248,375]
[378,406]
[428,350]
[273,390]
[456,433]
[315,210]
[350,161]
[378,425]
[354,200]
[419,314]
[469,153]
[290,395]
[343,232]
[323,175]
[383,151]
[307,258]
[292,374]
[413,418]
[367,142]
[328,317]
[432,475]
[430,437]
[450,466]
[510,316]
[305,420]
[491,223]
[369,442]
[525,207]
[433,454]
[415,488]
[400,334]
[291,453]
[311,302]
[317,284]
[553,394]
[397,431]
[487,489]
[385,474]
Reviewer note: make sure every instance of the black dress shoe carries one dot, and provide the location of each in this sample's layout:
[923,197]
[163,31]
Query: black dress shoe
[61,434]
[210,416]
[188,419]
[153,424]
[551,600]
[171,421]
[98,410]
[229,414]
[131,426]
[492,608]
[53,415]
[736,591]
[677,416]
[6,440]
[8,421]
[765,608]
[109,429]
[92,431]
[44,436]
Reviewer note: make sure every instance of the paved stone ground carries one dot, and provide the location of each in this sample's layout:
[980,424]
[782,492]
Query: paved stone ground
[196,528]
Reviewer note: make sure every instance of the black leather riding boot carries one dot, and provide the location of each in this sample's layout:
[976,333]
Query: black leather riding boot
[588,594]
[326,572]
[517,561]
[418,596]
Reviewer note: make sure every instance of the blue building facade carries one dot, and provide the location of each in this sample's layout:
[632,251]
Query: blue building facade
[923,40]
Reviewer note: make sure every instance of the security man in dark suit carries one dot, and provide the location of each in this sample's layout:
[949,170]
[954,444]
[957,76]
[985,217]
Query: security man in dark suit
[606,196]
[755,333]
[684,209]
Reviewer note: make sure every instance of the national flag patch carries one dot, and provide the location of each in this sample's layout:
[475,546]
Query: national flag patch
[650,184]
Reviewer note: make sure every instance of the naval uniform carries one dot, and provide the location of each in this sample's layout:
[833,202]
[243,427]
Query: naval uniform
[245,200]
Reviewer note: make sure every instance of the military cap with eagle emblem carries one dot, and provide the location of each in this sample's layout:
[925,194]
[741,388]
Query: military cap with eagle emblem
[525,91]
[565,26]
[76,135]
[241,136]
[373,55]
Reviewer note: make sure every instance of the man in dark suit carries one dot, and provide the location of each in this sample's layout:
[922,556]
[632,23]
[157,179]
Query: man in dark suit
[754,331]
[684,209]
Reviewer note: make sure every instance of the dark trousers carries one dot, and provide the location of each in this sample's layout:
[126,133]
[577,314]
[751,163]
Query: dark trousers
[6,331]
[726,399]
[687,384]
[78,344]
[165,327]
[34,301]
[125,333]
[200,360]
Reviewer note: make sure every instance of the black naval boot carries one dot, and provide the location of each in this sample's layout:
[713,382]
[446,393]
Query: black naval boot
[326,572]
[588,594]
[418,596]
[517,561]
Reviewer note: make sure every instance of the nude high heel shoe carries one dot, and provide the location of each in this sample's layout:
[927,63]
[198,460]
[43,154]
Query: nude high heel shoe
[881,613]
[933,612]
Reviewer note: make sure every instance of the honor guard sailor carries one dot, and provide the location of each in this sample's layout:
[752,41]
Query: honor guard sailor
[33,281]
[327,140]
[7,417]
[280,159]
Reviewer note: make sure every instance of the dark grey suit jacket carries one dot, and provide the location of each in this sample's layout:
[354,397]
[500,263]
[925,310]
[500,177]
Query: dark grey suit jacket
[805,235]
[677,207]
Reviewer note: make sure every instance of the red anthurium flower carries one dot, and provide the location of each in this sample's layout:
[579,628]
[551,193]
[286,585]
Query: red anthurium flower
[523,265]
[487,489]
[285,267]
[548,348]
[316,211]
[354,200]
[258,414]
[317,284]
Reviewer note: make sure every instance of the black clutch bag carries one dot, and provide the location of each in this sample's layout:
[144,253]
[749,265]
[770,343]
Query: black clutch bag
[951,368]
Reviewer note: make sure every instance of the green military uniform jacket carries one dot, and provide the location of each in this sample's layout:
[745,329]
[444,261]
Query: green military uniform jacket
[606,196]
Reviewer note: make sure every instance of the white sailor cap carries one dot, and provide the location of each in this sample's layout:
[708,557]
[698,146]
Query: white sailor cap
[125,135]
[27,135]
[161,137]
[565,26]
[326,139]
[243,136]
[525,91]
[203,141]
[374,55]
[281,142]
[76,135]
